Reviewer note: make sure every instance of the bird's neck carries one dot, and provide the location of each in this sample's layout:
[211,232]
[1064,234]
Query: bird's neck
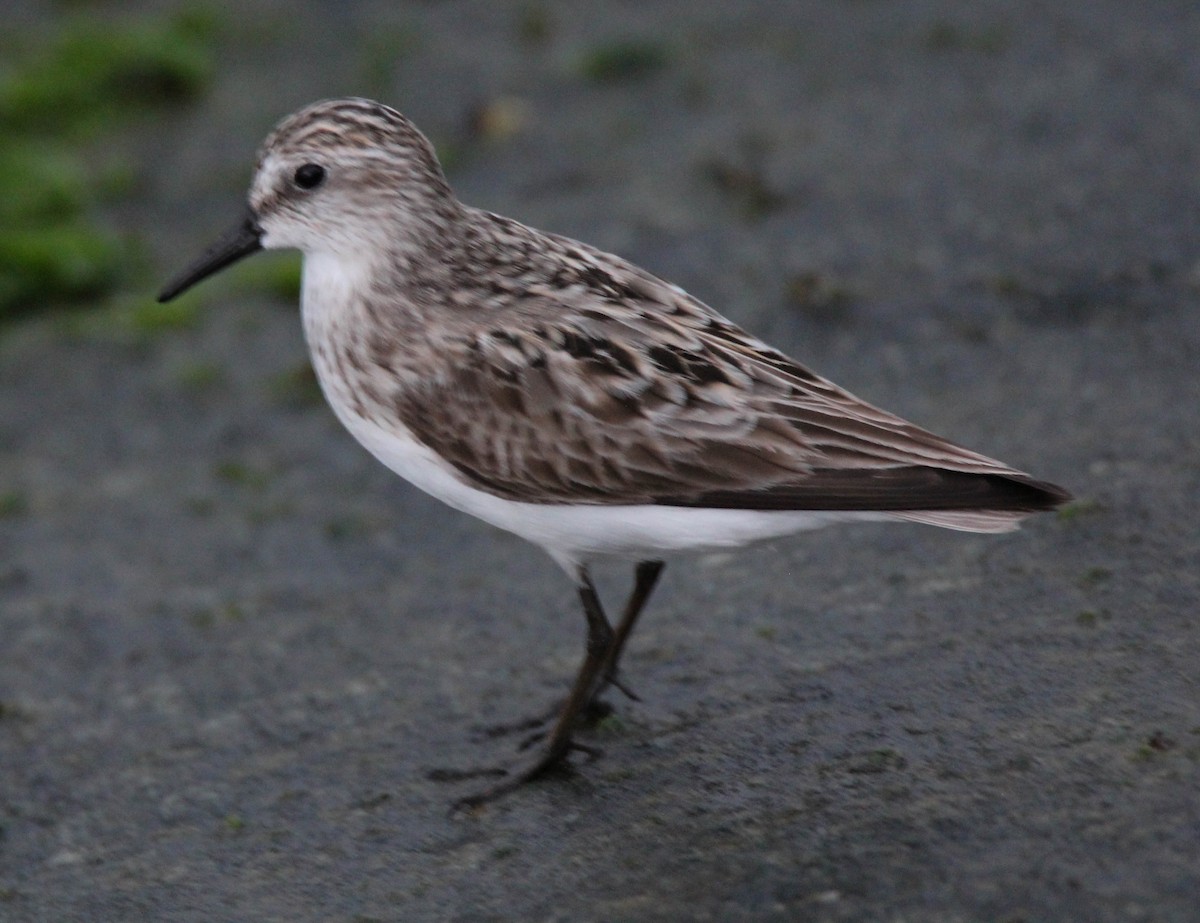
[368,313]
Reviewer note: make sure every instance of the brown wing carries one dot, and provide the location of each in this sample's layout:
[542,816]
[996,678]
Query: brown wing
[616,388]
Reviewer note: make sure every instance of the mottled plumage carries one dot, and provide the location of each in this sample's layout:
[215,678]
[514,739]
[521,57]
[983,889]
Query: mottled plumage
[598,383]
[563,393]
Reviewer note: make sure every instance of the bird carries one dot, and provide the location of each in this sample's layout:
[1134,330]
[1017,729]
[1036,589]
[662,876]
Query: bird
[566,395]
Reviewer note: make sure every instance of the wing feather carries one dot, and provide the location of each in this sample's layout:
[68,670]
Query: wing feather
[575,395]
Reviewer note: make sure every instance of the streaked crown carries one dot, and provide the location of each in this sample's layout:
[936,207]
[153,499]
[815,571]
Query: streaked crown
[348,173]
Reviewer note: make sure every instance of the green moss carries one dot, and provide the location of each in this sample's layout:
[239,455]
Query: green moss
[199,375]
[232,612]
[242,475]
[208,618]
[451,153]
[628,59]
[1077,508]
[746,187]
[276,275]
[40,185]
[132,320]
[85,81]
[11,712]
[152,317]
[818,297]
[1154,746]
[346,527]
[381,51]
[92,73]
[1007,285]
[56,262]
[12,503]
[945,36]
[611,725]
[1094,576]
[297,387]
[535,25]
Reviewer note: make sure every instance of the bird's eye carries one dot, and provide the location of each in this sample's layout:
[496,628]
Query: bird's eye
[309,176]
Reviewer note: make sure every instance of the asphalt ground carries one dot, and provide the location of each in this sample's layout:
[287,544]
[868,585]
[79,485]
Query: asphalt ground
[233,648]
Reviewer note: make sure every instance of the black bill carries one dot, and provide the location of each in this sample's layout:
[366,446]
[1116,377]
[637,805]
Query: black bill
[239,241]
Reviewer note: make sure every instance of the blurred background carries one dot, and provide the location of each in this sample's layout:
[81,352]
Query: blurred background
[233,648]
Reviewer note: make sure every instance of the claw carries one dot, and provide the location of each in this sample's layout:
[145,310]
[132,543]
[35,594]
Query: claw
[514,779]
[517,727]
[617,684]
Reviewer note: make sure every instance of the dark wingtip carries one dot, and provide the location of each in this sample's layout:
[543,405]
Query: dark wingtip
[909,488]
[1042,495]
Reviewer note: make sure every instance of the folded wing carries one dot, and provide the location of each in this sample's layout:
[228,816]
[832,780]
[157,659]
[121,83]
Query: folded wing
[617,388]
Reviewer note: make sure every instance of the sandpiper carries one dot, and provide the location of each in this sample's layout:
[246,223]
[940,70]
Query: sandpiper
[563,393]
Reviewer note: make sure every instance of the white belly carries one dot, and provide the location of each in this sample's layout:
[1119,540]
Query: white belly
[574,534]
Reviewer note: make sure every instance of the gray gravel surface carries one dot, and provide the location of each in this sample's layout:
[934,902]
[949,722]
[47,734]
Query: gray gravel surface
[232,647]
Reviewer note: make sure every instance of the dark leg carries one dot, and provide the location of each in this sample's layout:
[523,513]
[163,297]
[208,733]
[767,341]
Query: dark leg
[645,577]
[600,642]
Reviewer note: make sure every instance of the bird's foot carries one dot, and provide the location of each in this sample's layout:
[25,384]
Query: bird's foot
[550,759]
[539,726]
